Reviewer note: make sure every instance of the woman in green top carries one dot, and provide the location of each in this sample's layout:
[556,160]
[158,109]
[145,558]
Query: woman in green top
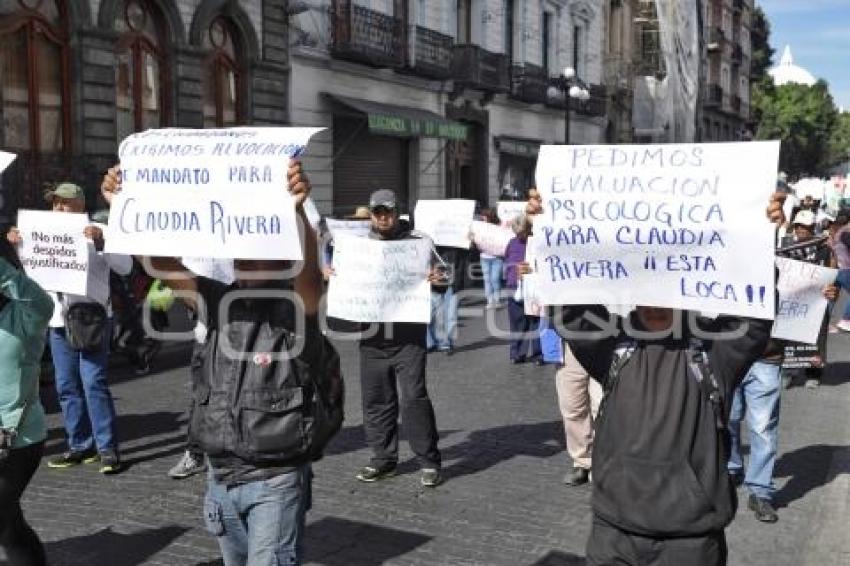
[25,310]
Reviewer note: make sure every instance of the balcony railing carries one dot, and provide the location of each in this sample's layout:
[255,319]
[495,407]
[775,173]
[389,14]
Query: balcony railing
[366,36]
[432,53]
[716,37]
[478,68]
[529,83]
[596,106]
[713,96]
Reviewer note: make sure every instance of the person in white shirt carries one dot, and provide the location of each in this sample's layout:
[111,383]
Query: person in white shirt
[87,406]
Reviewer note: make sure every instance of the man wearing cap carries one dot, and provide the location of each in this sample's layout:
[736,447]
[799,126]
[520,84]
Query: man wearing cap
[87,406]
[393,359]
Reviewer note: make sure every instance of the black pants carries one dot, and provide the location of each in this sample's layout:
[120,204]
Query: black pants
[525,338]
[384,371]
[16,537]
[608,546]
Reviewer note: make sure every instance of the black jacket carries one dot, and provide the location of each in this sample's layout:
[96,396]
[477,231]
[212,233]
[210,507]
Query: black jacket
[659,460]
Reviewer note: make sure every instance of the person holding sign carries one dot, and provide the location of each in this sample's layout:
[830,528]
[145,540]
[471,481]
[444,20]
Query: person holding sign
[266,390]
[660,486]
[525,342]
[25,310]
[393,360]
[80,336]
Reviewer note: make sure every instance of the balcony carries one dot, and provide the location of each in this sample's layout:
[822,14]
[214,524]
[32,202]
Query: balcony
[716,37]
[738,5]
[366,36]
[432,53]
[713,96]
[480,69]
[529,83]
[596,106]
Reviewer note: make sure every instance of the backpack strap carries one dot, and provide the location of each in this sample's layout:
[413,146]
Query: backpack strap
[623,351]
[699,368]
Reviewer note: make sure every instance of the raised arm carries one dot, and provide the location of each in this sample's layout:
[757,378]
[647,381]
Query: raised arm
[308,283]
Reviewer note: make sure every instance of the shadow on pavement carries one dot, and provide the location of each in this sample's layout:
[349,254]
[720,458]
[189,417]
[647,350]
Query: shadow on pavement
[558,558]
[485,448]
[836,374]
[340,542]
[807,468]
[109,547]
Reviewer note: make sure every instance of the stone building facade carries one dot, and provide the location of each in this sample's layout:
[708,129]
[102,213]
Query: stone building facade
[77,76]
[439,98]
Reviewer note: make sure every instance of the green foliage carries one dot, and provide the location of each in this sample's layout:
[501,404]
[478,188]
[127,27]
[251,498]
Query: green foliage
[803,118]
[839,142]
[762,52]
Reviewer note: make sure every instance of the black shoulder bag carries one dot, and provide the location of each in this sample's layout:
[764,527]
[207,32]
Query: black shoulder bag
[85,324]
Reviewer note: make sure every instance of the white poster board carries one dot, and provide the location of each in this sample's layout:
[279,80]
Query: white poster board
[380,281]
[446,221]
[219,193]
[53,251]
[677,225]
[6,159]
[508,210]
[532,305]
[357,228]
[217,269]
[801,306]
[491,239]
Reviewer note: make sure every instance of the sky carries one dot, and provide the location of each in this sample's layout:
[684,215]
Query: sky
[818,32]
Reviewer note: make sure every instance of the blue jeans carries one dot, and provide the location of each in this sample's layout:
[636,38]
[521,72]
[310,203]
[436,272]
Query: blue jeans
[758,397]
[491,269]
[260,523]
[443,328]
[87,406]
[843,281]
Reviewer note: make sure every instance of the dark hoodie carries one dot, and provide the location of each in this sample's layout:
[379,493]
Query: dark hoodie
[659,461]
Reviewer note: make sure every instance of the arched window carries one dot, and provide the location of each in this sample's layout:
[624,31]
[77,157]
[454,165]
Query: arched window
[223,76]
[34,82]
[140,99]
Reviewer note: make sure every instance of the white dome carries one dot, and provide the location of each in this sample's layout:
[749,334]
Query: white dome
[787,72]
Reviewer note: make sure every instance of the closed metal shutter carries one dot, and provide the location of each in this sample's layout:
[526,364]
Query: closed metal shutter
[365,163]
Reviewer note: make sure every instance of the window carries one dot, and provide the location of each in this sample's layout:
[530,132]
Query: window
[547,41]
[577,39]
[223,78]
[509,29]
[464,22]
[140,98]
[34,82]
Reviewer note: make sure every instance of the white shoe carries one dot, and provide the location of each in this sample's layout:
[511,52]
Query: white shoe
[843,325]
[189,465]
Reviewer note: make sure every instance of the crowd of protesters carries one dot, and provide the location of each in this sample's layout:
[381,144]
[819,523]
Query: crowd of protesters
[616,394]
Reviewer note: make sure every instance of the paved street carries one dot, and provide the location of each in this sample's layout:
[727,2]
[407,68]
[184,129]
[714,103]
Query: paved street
[503,503]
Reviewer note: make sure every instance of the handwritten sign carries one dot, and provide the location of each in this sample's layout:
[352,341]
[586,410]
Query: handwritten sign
[380,281]
[802,305]
[6,159]
[532,305]
[54,252]
[508,210]
[220,270]
[446,221]
[358,228]
[207,193]
[491,239]
[677,225]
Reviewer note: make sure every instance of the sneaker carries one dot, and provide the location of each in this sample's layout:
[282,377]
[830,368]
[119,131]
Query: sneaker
[73,458]
[431,477]
[190,463]
[110,463]
[763,509]
[843,325]
[578,476]
[812,383]
[370,474]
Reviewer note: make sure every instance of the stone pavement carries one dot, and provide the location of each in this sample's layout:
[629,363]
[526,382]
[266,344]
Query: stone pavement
[503,503]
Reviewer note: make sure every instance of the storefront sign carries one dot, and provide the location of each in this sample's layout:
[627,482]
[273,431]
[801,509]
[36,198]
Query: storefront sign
[413,127]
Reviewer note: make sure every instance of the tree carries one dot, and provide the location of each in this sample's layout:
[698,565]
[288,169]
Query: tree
[839,142]
[762,52]
[803,118]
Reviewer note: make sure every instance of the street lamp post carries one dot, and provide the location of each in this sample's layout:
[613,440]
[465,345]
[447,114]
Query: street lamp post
[571,87]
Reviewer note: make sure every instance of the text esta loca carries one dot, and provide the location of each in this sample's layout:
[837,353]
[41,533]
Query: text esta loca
[218,223]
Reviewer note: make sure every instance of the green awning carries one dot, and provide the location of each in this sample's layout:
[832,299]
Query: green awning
[391,120]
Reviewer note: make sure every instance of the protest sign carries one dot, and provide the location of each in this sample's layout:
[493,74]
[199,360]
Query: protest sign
[217,193]
[358,228]
[531,295]
[802,306]
[508,210]
[220,270]
[676,225]
[380,281]
[491,239]
[446,221]
[54,252]
[6,159]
